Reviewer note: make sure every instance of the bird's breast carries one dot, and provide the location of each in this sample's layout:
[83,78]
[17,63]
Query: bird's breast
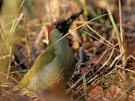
[57,70]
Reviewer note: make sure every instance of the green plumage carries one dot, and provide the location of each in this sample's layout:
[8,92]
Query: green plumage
[55,65]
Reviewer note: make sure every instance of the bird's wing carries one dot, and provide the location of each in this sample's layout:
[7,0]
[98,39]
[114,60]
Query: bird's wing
[40,63]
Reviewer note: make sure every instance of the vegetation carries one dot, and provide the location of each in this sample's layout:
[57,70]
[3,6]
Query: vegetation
[102,40]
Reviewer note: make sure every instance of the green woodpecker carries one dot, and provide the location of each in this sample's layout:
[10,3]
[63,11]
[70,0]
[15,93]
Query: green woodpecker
[56,64]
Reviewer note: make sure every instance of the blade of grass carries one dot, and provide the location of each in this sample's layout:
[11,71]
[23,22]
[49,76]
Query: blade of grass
[116,29]
[119,38]
[122,35]
[84,84]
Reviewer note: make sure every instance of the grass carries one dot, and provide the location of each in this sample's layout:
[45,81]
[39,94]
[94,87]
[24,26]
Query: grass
[9,21]
[103,38]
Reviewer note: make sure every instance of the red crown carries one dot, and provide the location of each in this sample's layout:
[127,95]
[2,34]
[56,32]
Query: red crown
[51,26]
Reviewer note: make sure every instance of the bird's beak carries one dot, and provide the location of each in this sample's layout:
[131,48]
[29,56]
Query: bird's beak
[68,22]
[71,19]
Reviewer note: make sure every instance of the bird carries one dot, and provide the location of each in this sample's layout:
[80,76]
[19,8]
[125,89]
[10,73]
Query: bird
[56,64]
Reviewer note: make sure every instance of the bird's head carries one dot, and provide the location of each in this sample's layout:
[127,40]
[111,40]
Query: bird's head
[59,28]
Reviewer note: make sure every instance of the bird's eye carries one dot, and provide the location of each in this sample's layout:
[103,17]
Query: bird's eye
[60,26]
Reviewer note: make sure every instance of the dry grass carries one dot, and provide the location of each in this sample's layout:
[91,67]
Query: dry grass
[102,40]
